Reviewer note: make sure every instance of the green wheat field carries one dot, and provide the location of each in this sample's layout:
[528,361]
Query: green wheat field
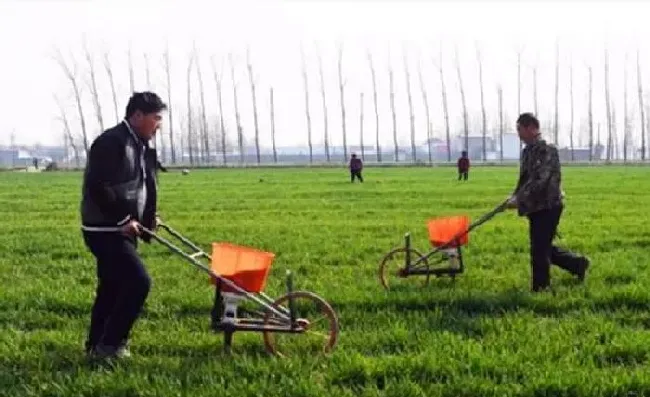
[483,334]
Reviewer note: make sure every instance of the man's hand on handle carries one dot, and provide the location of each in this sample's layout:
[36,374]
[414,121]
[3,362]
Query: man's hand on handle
[132,228]
[512,202]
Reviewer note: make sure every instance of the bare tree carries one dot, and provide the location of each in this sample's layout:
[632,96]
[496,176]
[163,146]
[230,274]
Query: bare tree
[205,158]
[427,111]
[308,114]
[222,126]
[392,107]
[131,76]
[571,131]
[641,107]
[361,126]
[410,102]
[374,90]
[608,108]
[500,100]
[535,98]
[445,108]
[483,113]
[190,134]
[519,51]
[591,113]
[71,74]
[626,119]
[67,131]
[324,102]
[240,135]
[251,77]
[272,105]
[342,95]
[556,126]
[172,143]
[111,80]
[92,83]
[462,100]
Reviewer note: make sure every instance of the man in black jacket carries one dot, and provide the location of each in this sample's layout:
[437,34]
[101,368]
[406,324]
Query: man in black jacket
[538,196]
[118,198]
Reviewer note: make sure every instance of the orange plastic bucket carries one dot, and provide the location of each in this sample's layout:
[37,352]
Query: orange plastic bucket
[244,266]
[442,230]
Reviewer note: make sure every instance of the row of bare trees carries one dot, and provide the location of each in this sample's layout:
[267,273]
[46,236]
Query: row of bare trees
[206,142]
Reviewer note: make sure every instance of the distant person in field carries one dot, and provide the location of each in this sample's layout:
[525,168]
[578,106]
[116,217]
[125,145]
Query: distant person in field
[118,198]
[356,166]
[463,166]
[538,196]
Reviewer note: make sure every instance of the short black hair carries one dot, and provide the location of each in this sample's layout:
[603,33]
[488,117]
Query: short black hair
[528,119]
[147,102]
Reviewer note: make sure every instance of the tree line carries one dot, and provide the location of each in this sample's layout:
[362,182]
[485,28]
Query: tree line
[204,140]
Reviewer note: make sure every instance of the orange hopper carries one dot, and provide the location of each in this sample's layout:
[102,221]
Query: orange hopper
[443,230]
[247,267]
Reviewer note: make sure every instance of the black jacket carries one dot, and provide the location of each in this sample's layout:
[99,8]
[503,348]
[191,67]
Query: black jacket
[112,181]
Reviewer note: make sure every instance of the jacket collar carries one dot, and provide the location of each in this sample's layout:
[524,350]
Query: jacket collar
[133,134]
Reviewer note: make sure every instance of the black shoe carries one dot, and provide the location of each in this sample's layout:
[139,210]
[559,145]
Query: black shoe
[583,264]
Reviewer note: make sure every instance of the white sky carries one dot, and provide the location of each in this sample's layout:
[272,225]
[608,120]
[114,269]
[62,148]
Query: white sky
[31,29]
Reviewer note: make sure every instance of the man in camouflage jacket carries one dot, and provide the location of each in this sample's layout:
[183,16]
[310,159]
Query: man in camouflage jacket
[538,196]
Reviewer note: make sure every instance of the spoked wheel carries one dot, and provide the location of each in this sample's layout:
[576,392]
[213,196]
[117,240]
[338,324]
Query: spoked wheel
[393,266]
[311,312]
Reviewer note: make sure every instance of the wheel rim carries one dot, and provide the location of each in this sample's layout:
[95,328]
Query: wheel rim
[393,263]
[312,312]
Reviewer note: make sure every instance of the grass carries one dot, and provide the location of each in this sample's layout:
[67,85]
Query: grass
[483,334]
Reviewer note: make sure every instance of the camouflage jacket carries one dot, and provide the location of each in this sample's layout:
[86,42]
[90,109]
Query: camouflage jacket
[540,178]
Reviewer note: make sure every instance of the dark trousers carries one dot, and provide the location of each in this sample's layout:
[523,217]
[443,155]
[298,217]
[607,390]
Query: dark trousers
[357,174]
[542,228]
[463,175]
[123,286]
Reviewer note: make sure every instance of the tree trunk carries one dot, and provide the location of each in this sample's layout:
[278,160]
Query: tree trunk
[240,137]
[68,131]
[254,96]
[608,110]
[591,114]
[172,142]
[111,81]
[500,99]
[535,100]
[392,108]
[626,121]
[222,126]
[374,90]
[308,114]
[72,77]
[483,113]
[326,140]
[275,153]
[342,95]
[131,76]
[190,134]
[641,106]
[410,102]
[363,157]
[205,159]
[445,108]
[427,112]
[556,126]
[462,100]
[93,87]
[571,132]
